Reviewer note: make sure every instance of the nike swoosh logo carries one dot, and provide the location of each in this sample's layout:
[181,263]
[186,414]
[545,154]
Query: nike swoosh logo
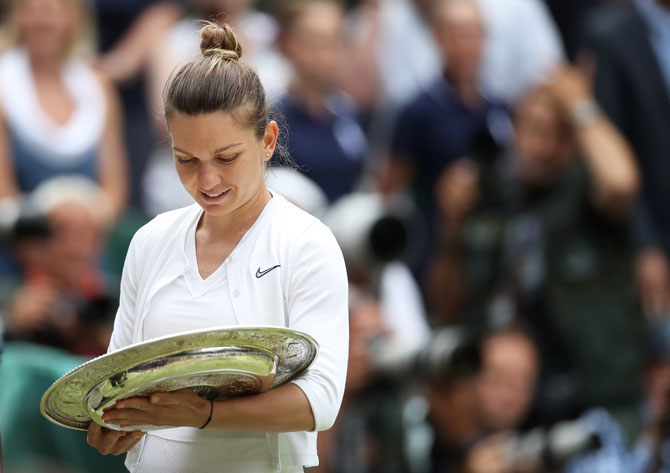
[260,274]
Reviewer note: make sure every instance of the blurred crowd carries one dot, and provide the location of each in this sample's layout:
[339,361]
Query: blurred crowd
[497,173]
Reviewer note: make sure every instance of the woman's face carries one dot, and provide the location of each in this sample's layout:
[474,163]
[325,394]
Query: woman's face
[46,27]
[220,162]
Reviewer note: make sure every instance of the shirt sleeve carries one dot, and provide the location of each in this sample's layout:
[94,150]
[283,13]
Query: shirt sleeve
[318,305]
[124,323]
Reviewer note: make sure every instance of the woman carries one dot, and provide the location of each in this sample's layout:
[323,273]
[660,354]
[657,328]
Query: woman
[57,116]
[240,255]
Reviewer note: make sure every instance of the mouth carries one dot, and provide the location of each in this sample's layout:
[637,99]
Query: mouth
[214,197]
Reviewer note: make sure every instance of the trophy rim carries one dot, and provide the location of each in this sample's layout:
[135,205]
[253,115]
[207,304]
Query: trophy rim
[65,402]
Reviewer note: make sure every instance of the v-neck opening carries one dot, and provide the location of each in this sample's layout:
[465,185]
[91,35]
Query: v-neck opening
[194,280]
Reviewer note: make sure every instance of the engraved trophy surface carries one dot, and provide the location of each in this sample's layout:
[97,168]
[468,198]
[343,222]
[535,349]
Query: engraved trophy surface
[216,363]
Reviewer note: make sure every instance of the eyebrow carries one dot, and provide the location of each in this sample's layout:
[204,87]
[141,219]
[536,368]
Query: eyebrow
[220,150]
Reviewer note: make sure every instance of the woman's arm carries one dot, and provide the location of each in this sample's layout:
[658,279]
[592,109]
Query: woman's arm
[113,175]
[284,409]
[8,185]
[131,53]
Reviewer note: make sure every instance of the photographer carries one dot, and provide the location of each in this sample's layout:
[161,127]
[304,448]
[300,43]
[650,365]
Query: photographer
[477,409]
[541,234]
[60,299]
[506,388]
[474,412]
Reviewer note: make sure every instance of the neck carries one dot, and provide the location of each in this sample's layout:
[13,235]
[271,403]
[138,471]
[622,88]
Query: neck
[45,66]
[310,96]
[237,222]
[466,87]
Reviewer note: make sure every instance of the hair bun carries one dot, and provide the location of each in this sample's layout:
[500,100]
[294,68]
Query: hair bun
[220,40]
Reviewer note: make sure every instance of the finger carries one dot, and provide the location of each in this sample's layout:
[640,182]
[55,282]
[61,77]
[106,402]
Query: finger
[140,403]
[94,433]
[127,417]
[127,442]
[97,434]
[106,442]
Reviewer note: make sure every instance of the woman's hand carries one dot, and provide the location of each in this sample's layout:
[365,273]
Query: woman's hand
[183,408]
[111,442]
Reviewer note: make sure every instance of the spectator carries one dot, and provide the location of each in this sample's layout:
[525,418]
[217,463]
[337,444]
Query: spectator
[394,57]
[325,139]
[630,45]
[58,116]
[61,299]
[441,123]
[542,234]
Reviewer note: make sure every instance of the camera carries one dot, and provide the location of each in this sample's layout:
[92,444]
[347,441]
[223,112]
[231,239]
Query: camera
[20,218]
[373,230]
[549,448]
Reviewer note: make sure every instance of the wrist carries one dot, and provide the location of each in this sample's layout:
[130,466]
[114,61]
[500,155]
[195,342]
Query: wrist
[584,112]
[210,410]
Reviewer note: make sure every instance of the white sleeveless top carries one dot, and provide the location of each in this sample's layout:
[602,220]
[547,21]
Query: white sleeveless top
[34,127]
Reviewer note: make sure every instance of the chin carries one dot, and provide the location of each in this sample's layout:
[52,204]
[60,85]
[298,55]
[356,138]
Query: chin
[215,209]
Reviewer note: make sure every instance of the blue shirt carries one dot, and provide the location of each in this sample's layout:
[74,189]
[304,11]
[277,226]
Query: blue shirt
[436,128]
[331,149]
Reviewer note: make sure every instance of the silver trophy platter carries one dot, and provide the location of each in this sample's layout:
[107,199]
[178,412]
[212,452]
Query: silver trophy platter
[216,363]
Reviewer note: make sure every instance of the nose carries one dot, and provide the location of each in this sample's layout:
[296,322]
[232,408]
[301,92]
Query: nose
[208,176]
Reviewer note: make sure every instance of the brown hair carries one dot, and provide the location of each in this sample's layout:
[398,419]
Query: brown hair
[218,82]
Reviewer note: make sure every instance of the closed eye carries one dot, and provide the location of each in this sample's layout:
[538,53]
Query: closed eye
[185,160]
[228,160]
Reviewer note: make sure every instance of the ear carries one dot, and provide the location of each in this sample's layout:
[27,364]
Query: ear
[270,139]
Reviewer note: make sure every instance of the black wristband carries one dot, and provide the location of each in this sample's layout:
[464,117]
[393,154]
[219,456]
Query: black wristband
[211,410]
